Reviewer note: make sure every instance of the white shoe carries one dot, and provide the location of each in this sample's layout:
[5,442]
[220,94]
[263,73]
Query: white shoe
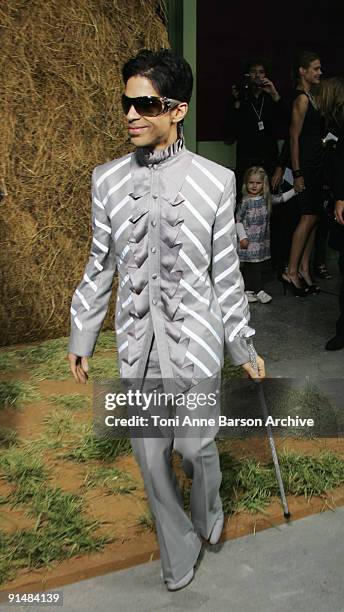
[180,584]
[217,530]
[263,297]
[251,296]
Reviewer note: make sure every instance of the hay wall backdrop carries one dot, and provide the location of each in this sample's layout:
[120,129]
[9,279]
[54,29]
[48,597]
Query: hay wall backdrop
[60,116]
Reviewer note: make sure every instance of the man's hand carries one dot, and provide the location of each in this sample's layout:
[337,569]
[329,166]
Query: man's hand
[339,212]
[244,243]
[277,178]
[253,373]
[78,367]
[270,88]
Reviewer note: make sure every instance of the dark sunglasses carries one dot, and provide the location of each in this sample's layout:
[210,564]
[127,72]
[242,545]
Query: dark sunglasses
[148,106]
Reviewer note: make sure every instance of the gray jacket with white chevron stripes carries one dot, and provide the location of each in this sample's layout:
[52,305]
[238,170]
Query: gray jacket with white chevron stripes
[165,221]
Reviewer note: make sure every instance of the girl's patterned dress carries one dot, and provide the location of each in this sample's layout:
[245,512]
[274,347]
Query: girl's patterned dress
[253,216]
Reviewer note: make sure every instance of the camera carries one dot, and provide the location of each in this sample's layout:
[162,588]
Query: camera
[247,84]
[258,82]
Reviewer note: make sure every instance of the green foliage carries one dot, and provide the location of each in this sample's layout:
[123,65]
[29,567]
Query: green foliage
[89,447]
[61,531]
[58,423]
[47,360]
[112,479]
[146,520]
[8,437]
[312,475]
[15,393]
[74,401]
[8,361]
[17,464]
[248,485]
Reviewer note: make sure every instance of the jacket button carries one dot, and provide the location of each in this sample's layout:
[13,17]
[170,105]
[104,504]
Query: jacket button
[154,196]
[153,249]
[153,223]
[154,301]
[154,275]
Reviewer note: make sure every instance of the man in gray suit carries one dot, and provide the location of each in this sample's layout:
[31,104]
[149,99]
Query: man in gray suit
[163,217]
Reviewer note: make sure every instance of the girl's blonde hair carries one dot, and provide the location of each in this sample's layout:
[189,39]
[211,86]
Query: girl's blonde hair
[266,186]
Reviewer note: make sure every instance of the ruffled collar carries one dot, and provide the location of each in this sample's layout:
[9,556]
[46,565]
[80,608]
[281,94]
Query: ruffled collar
[146,157]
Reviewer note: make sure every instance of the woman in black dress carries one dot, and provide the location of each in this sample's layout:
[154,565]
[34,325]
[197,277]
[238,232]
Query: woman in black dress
[306,132]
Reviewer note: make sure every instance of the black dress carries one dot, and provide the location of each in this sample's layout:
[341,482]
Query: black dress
[311,159]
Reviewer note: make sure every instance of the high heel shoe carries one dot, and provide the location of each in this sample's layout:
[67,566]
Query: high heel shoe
[288,284]
[313,288]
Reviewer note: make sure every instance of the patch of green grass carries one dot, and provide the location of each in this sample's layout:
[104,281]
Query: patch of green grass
[256,485]
[47,360]
[61,531]
[15,393]
[55,368]
[106,341]
[18,464]
[74,401]
[113,480]
[248,485]
[7,570]
[312,475]
[146,520]
[8,361]
[103,367]
[44,351]
[89,447]
[43,443]
[8,437]
[58,423]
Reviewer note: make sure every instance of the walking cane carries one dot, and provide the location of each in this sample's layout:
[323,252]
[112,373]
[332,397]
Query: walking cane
[247,333]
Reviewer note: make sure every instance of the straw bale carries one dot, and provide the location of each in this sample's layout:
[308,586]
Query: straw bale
[60,116]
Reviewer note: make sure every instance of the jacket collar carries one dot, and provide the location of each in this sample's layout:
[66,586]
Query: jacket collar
[141,165]
[146,157]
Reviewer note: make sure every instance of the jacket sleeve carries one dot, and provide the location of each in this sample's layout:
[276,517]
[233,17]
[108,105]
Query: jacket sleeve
[283,197]
[240,230]
[226,276]
[91,297]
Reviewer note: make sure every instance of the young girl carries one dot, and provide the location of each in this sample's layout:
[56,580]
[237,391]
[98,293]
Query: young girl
[253,229]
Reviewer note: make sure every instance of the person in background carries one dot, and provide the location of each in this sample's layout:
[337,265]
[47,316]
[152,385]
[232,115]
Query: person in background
[331,104]
[306,150]
[253,229]
[255,114]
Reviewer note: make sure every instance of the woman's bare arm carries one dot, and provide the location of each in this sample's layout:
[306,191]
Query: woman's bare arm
[298,115]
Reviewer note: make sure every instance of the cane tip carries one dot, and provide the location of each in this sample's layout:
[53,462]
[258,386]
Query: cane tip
[287,515]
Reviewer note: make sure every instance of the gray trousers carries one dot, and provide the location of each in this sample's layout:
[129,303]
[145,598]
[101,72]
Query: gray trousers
[178,535]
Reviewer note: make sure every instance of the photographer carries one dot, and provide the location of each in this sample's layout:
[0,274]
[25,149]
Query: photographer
[254,114]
